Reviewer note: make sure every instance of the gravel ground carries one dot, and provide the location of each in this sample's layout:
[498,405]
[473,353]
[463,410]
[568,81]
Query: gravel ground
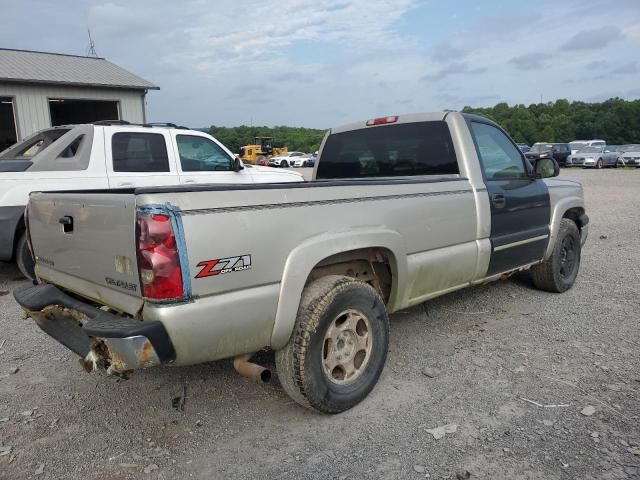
[507,367]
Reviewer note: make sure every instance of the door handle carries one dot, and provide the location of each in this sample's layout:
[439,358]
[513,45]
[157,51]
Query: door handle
[67,223]
[189,181]
[498,200]
[125,184]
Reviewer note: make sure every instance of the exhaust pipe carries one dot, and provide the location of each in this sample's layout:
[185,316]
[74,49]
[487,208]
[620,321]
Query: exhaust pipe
[250,370]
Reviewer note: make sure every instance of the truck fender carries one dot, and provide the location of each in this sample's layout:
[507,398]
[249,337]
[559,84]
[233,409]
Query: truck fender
[560,208]
[312,251]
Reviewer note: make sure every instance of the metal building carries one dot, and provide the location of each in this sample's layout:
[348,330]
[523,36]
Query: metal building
[40,90]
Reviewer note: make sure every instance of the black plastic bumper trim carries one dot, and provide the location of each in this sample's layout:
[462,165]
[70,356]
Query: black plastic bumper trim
[100,324]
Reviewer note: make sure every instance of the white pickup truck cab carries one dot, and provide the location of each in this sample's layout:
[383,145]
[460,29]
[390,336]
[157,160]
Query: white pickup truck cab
[109,155]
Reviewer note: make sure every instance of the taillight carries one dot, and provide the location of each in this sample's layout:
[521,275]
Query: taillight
[158,260]
[382,120]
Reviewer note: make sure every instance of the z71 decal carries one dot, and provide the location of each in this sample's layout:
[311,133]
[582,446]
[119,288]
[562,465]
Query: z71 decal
[220,266]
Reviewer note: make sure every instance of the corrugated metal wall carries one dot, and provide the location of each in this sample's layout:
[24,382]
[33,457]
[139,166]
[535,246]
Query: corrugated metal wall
[32,106]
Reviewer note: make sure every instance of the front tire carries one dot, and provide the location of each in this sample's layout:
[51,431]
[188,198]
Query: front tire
[24,259]
[284,164]
[558,273]
[338,347]
[599,163]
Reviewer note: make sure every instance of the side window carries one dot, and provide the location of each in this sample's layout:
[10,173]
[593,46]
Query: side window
[199,154]
[499,156]
[408,149]
[34,148]
[71,149]
[139,152]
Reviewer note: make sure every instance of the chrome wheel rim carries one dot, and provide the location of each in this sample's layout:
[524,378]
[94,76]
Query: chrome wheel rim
[346,348]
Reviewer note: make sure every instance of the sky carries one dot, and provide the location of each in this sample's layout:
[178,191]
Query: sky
[325,63]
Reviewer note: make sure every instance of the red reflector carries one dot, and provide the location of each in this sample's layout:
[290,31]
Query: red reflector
[382,120]
[158,260]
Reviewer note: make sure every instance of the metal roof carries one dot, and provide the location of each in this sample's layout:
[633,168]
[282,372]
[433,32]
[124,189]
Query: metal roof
[26,66]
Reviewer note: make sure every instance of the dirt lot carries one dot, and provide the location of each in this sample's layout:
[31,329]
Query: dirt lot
[509,368]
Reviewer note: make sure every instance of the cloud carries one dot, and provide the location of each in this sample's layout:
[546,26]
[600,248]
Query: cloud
[597,65]
[290,75]
[446,51]
[594,39]
[632,31]
[455,68]
[626,69]
[304,62]
[530,61]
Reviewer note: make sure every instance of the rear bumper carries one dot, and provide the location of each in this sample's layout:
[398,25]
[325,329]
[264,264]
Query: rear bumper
[101,338]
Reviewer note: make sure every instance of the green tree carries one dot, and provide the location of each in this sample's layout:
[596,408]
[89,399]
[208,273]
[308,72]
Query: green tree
[617,121]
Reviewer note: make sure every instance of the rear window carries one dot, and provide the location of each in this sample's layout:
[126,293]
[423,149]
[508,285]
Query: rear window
[139,152]
[407,149]
[33,145]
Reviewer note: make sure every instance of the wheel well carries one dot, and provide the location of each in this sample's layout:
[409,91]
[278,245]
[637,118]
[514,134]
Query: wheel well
[575,214]
[374,266]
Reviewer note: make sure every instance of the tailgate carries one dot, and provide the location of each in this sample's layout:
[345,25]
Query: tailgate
[86,242]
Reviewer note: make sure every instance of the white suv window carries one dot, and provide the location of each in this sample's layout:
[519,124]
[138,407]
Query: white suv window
[199,154]
[139,152]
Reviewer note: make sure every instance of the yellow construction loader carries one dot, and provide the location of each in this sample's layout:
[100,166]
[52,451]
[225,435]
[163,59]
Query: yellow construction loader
[261,150]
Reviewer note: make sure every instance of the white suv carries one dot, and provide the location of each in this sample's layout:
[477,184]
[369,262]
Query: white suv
[107,155]
[285,160]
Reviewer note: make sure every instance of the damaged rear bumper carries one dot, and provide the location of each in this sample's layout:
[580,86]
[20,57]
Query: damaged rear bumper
[101,338]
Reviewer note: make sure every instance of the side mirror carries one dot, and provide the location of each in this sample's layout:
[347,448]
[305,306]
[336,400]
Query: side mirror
[237,164]
[546,168]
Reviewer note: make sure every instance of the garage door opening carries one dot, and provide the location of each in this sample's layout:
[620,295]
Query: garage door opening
[67,112]
[8,132]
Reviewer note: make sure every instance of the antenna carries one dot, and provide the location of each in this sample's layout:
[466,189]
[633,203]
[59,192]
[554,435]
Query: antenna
[91,51]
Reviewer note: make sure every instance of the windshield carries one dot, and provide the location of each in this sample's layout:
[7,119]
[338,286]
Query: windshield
[541,147]
[577,145]
[33,145]
[591,150]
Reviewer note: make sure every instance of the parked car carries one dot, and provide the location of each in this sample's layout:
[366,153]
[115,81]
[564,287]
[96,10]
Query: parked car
[174,275]
[110,155]
[306,160]
[580,144]
[311,161]
[285,160]
[524,148]
[558,151]
[631,156]
[595,157]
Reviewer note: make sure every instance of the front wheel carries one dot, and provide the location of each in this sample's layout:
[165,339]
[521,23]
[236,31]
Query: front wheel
[338,347]
[599,164]
[284,164]
[558,273]
[24,259]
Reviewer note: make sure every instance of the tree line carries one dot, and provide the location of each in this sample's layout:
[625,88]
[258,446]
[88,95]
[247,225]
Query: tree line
[294,138]
[616,121]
